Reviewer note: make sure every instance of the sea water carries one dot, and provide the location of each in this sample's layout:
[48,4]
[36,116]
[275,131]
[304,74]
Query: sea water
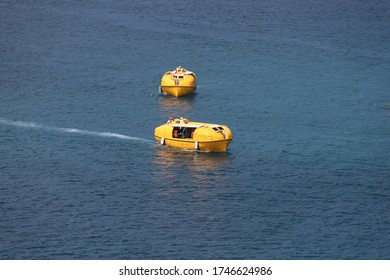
[303,85]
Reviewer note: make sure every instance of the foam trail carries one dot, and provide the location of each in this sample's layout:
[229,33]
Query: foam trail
[71,130]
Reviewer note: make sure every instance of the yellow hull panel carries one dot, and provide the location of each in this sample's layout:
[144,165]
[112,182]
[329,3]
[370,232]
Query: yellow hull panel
[212,146]
[178,82]
[177,91]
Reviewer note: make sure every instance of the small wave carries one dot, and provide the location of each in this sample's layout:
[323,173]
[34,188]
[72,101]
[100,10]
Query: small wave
[71,130]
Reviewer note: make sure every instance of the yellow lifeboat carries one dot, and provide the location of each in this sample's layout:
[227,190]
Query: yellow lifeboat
[178,82]
[184,134]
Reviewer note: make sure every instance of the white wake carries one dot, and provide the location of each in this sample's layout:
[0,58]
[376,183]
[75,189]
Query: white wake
[70,130]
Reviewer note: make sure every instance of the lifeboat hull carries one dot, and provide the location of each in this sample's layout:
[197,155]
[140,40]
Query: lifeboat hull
[178,82]
[183,134]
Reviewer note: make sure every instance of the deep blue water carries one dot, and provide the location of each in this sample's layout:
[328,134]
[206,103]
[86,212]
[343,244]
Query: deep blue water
[303,85]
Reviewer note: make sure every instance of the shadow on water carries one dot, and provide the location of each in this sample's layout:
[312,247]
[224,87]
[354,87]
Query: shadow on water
[198,161]
[177,107]
[204,171]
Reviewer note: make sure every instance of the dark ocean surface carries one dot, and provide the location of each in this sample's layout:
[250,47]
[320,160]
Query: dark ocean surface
[303,85]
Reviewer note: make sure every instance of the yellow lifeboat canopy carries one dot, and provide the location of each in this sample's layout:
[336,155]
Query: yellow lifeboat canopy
[184,134]
[178,82]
